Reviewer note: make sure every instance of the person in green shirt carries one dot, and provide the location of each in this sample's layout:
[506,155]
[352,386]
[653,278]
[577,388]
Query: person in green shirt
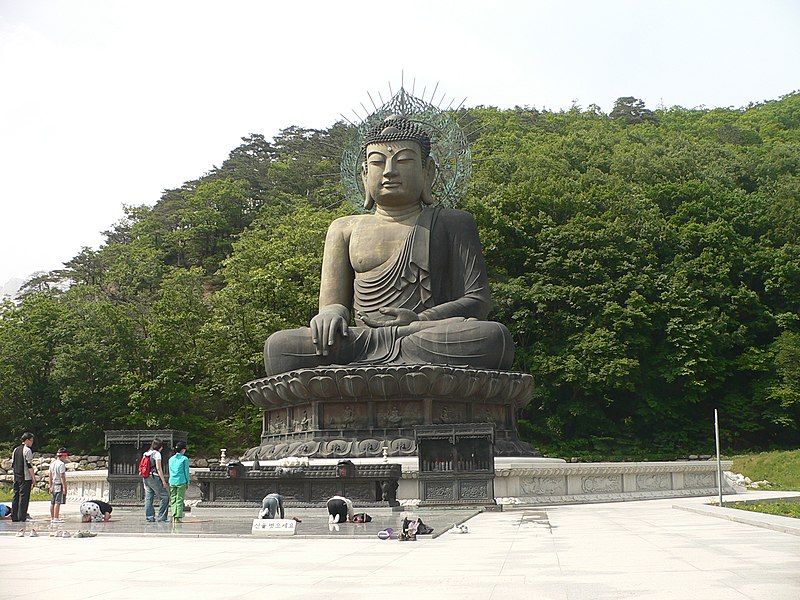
[178,481]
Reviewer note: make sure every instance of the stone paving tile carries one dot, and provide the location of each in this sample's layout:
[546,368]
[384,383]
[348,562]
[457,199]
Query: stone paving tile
[637,550]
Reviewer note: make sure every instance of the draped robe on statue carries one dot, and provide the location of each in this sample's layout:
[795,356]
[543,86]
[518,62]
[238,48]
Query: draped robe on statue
[438,272]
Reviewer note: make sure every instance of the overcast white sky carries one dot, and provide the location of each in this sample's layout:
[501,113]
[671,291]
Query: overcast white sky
[105,103]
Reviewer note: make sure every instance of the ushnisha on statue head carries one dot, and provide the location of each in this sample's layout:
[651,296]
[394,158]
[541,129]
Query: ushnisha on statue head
[397,169]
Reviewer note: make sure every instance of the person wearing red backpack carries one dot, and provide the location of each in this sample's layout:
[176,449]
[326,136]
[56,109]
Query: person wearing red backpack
[154,483]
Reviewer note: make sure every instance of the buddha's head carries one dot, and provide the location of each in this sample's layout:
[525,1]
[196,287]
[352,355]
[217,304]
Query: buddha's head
[398,169]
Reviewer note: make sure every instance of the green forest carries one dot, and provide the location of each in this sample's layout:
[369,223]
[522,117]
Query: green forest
[647,263]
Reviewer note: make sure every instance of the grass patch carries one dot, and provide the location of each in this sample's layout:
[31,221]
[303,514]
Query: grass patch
[7,494]
[782,468]
[784,509]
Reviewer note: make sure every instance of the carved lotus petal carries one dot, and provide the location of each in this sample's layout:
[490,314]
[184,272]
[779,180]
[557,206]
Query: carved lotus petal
[254,396]
[384,386]
[444,384]
[305,375]
[495,387]
[298,388]
[353,386]
[524,394]
[431,370]
[400,370]
[416,384]
[520,393]
[369,372]
[474,383]
[283,391]
[323,386]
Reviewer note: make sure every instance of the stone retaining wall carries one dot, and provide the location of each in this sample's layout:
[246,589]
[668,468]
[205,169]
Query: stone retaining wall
[41,464]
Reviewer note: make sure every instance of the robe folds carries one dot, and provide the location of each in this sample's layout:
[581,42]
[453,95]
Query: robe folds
[438,272]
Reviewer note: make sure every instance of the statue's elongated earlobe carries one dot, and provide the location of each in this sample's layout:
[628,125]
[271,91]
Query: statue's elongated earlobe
[369,201]
[430,175]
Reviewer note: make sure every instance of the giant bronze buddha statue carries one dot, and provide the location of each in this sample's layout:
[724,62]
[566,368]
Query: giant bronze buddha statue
[411,275]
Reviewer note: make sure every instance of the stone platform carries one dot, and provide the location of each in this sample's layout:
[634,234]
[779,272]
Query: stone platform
[371,411]
[519,481]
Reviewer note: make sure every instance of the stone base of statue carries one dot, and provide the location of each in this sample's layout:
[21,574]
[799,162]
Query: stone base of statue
[371,411]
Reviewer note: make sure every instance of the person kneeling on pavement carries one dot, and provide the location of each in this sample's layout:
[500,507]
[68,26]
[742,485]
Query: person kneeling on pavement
[95,511]
[340,509]
[270,506]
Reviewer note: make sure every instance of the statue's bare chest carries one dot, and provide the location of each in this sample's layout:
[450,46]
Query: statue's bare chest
[374,242]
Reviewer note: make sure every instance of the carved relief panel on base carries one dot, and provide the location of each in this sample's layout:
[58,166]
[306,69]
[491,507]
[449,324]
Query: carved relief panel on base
[344,415]
[394,415]
[543,486]
[449,412]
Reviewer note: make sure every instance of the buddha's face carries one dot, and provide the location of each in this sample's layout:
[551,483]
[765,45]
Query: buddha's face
[394,173]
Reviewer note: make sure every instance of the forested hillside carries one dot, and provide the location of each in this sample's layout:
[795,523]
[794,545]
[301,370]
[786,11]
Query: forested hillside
[647,264]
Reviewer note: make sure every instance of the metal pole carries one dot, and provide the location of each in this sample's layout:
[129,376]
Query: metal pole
[719,459]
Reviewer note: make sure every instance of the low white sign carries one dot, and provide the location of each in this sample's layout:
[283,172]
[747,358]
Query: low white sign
[274,526]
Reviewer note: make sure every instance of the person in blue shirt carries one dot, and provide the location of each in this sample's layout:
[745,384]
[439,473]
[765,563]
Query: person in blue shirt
[178,481]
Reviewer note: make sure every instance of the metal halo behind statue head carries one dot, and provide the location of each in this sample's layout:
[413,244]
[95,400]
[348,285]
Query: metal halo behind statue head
[448,146]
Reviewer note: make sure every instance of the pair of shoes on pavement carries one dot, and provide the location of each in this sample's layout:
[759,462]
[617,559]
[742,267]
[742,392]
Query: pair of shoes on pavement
[85,534]
[33,533]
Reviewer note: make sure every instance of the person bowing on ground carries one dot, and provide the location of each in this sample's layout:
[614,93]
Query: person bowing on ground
[95,511]
[340,509]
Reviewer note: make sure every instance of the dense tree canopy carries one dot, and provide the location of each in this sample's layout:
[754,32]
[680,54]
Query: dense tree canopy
[646,262]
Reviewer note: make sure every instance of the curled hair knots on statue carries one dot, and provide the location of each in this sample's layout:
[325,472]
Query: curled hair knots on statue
[397,129]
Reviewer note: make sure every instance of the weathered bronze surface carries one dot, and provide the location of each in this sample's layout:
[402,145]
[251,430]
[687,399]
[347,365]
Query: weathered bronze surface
[401,336]
[411,275]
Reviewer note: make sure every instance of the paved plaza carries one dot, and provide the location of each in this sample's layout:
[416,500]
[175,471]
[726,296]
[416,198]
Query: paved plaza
[643,550]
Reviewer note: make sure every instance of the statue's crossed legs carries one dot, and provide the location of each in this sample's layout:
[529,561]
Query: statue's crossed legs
[476,344]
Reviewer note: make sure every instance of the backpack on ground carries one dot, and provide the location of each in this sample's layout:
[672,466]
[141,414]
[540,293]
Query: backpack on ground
[144,466]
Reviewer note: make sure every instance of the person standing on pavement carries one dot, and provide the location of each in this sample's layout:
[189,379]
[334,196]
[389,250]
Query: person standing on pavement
[24,478]
[57,476]
[155,485]
[178,481]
